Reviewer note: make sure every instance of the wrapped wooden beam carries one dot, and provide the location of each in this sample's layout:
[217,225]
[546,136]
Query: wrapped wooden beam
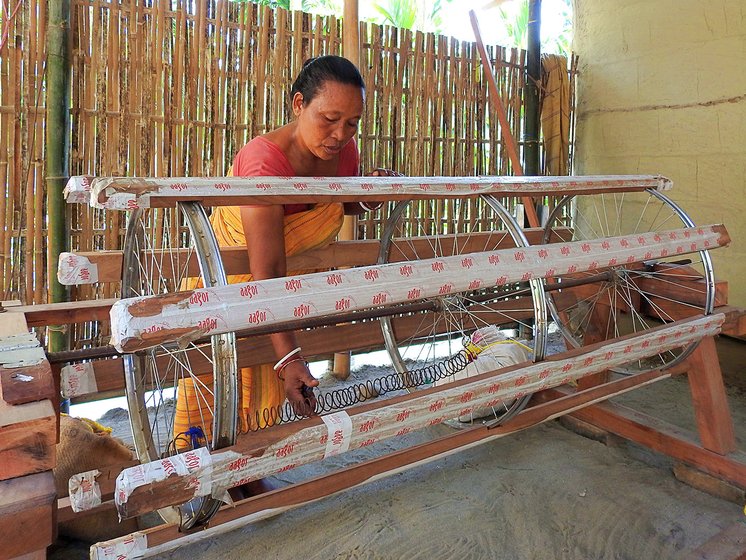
[126,193]
[142,322]
[106,266]
[178,479]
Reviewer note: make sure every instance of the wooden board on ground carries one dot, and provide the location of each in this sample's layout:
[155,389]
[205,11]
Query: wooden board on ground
[27,514]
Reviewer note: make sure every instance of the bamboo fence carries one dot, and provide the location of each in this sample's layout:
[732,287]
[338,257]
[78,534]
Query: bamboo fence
[176,88]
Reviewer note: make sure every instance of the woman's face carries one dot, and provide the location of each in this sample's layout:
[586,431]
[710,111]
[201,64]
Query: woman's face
[331,119]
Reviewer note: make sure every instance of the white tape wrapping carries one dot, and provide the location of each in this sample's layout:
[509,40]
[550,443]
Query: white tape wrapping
[136,323]
[125,548]
[339,433]
[126,193]
[197,463]
[73,270]
[78,379]
[84,491]
[78,189]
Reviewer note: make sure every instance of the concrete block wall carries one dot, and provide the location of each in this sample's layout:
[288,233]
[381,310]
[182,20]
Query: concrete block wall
[662,89]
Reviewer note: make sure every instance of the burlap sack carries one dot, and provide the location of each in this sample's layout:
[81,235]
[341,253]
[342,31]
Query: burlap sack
[81,448]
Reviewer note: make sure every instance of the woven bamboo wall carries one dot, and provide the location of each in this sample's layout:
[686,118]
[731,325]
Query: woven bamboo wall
[22,243]
[177,88]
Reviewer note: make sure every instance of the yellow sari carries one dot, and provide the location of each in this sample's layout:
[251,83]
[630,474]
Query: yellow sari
[260,387]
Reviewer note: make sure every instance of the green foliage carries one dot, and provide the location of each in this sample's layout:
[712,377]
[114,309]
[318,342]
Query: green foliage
[332,7]
[514,20]
[515,23]
[271,3]
[423,15]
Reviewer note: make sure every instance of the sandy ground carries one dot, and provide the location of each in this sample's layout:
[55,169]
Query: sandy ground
[544,493]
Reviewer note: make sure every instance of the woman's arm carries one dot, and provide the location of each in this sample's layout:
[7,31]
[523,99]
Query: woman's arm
[265,243]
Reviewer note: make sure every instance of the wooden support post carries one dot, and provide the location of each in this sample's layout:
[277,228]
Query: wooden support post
[709,399]
[351,51]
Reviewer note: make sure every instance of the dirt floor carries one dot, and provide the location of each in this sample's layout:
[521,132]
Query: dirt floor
[544,493]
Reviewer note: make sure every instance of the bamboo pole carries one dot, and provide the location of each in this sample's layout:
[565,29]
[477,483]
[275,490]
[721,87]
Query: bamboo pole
[508,139]
[531,91]
[351,51]
[57,148]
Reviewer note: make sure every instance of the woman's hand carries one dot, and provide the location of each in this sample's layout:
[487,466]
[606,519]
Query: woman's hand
[382,172]
[298,384]
[355,208]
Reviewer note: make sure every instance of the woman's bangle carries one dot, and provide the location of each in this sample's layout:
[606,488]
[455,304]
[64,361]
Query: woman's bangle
[367,208]
[286,364]
[282,362]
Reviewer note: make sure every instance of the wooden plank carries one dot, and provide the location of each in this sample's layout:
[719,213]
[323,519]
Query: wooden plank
[65,313]
[709,484]
[27,384]
[710,402]
[664,438]
[27,514]
[28,432]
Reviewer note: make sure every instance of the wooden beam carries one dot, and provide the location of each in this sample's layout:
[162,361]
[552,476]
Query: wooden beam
[124,192]
[288,445]
[660,436]
[302,493]
[144,322]
[65,313]
[711,409]
[341,254]
[27,514]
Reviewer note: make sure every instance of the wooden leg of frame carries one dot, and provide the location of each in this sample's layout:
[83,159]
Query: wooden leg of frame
[711,409]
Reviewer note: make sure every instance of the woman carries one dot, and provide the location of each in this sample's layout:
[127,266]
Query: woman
[327,102]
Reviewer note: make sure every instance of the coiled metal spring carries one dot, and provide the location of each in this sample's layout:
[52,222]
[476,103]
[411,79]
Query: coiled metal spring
[360,392]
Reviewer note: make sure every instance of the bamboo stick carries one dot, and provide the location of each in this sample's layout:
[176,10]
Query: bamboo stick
[509,141]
